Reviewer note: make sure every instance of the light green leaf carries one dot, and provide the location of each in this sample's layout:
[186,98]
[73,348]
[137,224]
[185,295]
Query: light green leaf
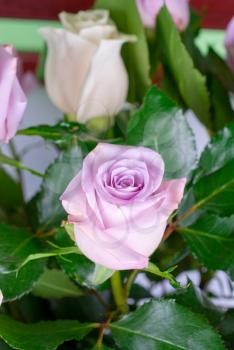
[163,274]
[14,163]
[191,83]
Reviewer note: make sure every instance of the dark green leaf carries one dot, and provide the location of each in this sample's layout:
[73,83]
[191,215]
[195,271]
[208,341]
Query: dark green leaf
[226,328]
[15,246]
[10,192]
[78,267]
[190,82]
[56,179]
[218,153]
[222,112]
[161,125]
[197,300]
[215,192]
[164,325]
[41,336]
[136,57]
[211,239]
[54,284]
[220,69]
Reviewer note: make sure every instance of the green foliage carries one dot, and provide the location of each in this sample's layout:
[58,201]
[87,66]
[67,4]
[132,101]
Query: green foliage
[61,133]
[159,124]
[135,54]
[56,179]
[190,82]
[15,246]
[211,237]
[54,284]
[41,336]
[165,325]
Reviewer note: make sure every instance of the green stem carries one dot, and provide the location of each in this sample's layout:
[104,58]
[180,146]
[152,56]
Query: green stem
[118,293]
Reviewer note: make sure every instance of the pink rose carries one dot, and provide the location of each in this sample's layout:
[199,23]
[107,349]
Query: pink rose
[178,9]
[119,205]
[229,44]
[12,97]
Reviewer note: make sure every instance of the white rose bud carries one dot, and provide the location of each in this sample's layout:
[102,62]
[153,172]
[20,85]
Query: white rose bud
[85,75]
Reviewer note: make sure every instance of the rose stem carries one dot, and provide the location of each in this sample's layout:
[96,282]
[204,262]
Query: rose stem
[118,292]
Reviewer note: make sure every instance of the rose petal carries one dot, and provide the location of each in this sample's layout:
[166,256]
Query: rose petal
[113,256]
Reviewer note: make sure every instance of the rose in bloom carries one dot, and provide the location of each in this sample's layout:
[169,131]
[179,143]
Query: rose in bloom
[1,297]
[178,9]
[12,97]
[119,205]
[229,44]
[85,75]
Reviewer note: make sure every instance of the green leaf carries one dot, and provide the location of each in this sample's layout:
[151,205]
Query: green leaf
[163,274]
[43,335]
[220,69]
[78,267]
[55,252]
[15,245]
[54,284]
[197,300]
[61,132]
[14,163]
[222,112]
[218,153]
[159,124]
[191,83]
[165,325]
[10,192]
[211,240]
[56,179]
[215,192]
[136,56]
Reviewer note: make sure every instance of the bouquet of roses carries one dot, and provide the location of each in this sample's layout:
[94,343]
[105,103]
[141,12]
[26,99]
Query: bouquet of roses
[97,259]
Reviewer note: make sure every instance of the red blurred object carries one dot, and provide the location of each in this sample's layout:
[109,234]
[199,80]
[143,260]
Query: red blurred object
[45,9]
[216,13]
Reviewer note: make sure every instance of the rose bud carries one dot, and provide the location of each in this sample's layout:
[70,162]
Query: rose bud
[178,9]
[12,97]
[85,75]
[229,44]
[119,205]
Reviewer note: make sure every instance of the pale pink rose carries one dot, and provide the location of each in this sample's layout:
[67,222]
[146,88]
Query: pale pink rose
[12,97]
[229,44]
[1,297]
[119,205]
[178,9]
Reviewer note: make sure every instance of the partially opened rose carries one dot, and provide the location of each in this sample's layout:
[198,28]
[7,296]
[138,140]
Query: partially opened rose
[178,9]
[229,44]
[85,75]
[12,97]
[119,205]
